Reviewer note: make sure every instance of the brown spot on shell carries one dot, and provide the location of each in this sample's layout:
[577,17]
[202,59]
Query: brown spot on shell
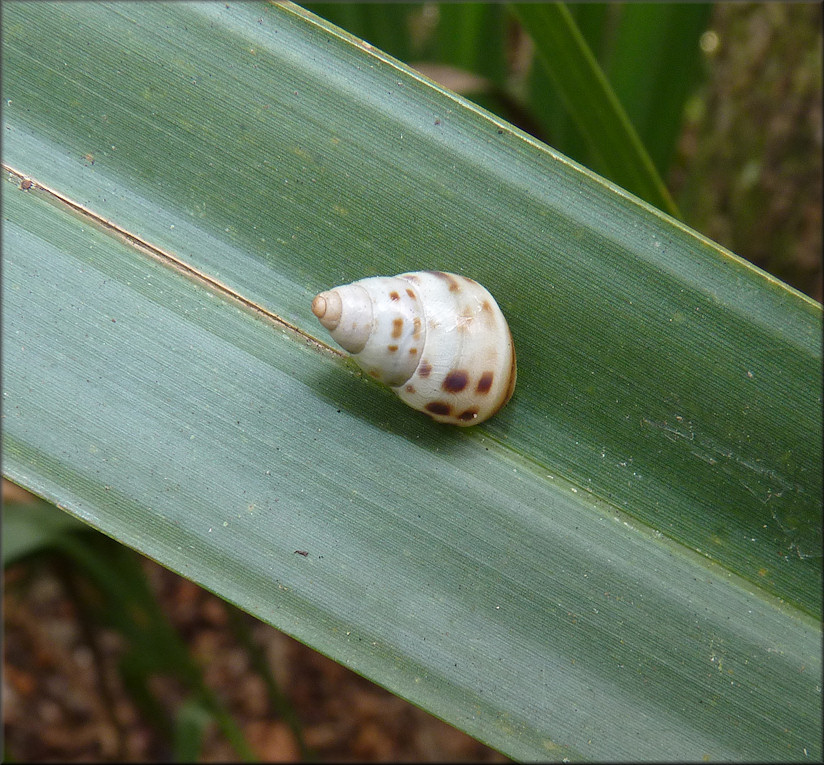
[392,348]
[374,373]
[410,388]
[411,294]
[453,282]
[468,415]
[416,328]
[485,383]
[425,369]
[488,316]
[397,328]
[394,296]
[438,407]
[455,381]
[413,351]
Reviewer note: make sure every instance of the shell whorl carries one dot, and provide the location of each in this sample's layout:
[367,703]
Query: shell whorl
[379,321]
[439,340]
[347,313]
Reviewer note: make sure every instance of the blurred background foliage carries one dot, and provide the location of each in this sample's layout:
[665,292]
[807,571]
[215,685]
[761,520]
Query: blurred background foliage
[726,101]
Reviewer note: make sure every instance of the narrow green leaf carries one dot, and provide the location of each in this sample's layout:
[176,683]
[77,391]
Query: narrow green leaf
[593,20]
[472,36]
[591,102]
[654,61]
[191,726]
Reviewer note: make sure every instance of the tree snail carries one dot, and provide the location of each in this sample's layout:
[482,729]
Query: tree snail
[438,340]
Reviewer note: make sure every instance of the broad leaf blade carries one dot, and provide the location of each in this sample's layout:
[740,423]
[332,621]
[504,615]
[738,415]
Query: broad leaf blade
[460,569]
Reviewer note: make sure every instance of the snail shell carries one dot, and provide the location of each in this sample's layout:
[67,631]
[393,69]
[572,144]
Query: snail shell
[438,340]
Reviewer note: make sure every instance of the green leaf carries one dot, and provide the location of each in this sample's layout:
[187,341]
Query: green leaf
[591,102]
[191,727]
[650,54]
[655,57]
[472,36]
[29,528]
[598,572]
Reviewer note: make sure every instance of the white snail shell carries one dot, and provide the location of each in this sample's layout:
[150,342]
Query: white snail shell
[438,340]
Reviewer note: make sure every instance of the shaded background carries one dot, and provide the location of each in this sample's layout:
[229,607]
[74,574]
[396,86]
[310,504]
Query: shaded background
[86,678]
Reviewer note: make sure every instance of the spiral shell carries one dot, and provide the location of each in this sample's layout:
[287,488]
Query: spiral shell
[438,340]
